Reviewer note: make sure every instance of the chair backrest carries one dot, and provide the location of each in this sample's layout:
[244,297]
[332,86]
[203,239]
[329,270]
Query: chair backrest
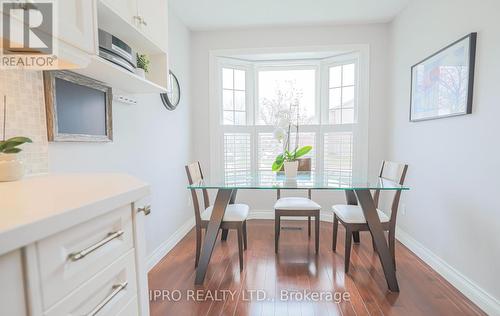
[304,165]
[195,175]
[394,172]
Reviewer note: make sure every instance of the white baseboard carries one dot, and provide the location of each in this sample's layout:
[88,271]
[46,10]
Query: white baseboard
[476,294]
[170,243]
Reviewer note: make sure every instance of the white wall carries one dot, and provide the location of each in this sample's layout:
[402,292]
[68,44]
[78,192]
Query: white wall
[376,35]
[149,142]
[452,208]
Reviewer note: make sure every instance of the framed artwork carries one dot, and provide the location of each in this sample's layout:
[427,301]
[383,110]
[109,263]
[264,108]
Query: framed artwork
[78,108]
[442,84]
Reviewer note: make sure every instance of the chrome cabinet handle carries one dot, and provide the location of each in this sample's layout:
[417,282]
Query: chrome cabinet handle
[117,288]
[75,256]
[146,209]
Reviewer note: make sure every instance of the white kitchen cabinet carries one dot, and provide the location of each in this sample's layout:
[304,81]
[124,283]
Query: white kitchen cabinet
[12,299]
[126,9]
[76,21]
[60,275]
[152,20]
[147,16]
[75,247]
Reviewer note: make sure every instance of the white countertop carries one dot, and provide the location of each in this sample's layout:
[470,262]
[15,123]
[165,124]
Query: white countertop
[37,207]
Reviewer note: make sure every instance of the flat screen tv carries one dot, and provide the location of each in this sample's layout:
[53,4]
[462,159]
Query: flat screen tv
[78,108]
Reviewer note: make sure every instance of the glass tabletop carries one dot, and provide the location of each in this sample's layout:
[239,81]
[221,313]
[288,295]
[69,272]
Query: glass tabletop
[268,180]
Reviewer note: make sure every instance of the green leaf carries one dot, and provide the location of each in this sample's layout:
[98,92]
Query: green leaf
[12,150]
[19,140]
[277,166]
[9,144]
[279,158]
[13,142]
[278,162]
[302,151]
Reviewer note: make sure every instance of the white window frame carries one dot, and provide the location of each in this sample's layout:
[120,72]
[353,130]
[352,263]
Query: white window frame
[219,60]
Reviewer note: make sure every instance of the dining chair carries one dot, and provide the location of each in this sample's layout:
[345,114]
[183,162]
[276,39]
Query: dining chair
[352,218]
[297,207]
[235,216]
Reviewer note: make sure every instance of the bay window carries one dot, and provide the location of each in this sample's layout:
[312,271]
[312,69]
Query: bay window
[251,95]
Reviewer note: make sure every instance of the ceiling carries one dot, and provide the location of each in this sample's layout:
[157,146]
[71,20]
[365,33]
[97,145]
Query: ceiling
[224,14]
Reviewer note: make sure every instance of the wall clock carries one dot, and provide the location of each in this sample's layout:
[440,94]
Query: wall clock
[173,96]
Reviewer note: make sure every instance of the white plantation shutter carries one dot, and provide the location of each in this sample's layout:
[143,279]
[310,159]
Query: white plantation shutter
[338,154]
[237,155]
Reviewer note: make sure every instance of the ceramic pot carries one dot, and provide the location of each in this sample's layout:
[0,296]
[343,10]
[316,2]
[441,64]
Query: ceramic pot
[11,167]
[291,168]
[140,72]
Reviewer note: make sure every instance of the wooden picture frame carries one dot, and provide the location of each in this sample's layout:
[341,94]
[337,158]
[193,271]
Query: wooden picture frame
[53,133]
[442,84]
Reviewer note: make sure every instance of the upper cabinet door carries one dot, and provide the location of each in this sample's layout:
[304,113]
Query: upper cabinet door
[76,22]
[153,17]
[126,9]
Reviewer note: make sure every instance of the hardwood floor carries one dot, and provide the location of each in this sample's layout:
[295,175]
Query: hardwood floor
[278,285]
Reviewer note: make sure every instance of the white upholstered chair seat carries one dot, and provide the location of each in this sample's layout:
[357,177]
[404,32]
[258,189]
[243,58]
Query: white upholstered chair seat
[296,203]
[353,214]
[234,213]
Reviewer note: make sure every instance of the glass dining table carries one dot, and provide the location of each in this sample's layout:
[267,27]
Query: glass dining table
[358,191]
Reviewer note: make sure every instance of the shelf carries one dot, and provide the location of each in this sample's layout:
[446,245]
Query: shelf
[118,78]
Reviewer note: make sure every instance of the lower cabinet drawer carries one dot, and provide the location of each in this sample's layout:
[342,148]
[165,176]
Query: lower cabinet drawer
[72,257]
[105,294]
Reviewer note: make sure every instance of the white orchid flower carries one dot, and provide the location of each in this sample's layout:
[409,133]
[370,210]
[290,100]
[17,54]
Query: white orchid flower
[283,122]
[279,134]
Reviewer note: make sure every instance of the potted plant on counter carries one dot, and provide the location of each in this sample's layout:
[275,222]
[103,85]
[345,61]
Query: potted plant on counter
[142,65]
[288,158]
[11,166]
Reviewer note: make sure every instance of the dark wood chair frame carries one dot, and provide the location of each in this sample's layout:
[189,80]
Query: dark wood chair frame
[278,213]
[195,174]
[353,229]
[304,165]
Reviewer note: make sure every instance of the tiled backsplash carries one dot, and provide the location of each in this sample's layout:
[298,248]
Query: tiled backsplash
[26,115]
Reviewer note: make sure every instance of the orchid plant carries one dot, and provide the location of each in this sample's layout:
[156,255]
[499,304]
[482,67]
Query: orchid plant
[282,134]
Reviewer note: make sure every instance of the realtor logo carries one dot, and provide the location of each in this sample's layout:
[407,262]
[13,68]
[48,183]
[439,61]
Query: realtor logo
[27,27]
[28,34]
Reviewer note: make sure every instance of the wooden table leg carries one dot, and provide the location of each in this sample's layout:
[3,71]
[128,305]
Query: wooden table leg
[221,202]
[370,211]
[352,200]
[231,201]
